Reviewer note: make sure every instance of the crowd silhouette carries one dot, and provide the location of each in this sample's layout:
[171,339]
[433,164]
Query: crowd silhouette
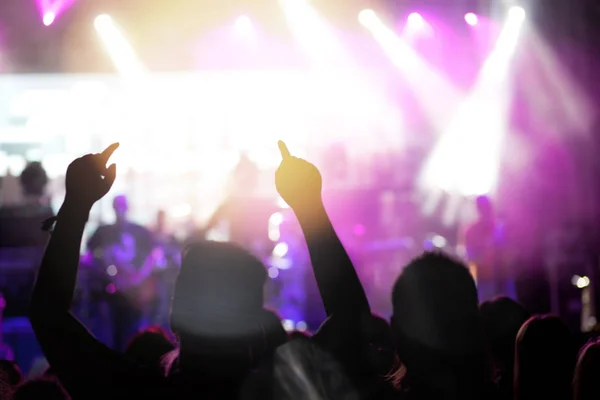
[439,344]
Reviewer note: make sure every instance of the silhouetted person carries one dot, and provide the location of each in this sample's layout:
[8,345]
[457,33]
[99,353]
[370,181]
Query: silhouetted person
[437,330]
[33,181]
[149,346]
[502,318]
[168,260]
[126,246]
[227,338]
[223,329]
[47,389]
[484,242]
[544,359]
[20,223]
[586,385]
[356,340]
[239,211]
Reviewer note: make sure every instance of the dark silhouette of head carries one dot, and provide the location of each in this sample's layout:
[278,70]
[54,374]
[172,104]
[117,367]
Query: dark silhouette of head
[218,310]
[502,318]
[485,209]
[34,180]
[47,389]
[12,372]
[149,346]
[437,329]
[586,385]
[121,207]
[545,355]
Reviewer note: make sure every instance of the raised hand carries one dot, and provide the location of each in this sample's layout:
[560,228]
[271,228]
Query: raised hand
[298,182]
[88,179]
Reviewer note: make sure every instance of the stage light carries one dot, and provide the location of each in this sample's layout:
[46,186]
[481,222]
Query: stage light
[111,270]
[439,241]
[280,250]
[276,219]
[466,159]
[288,325]
[119,49]
[301,326]
[415,20]
[471,19]
[243,25]
[49,18]
[273,272]
[516,14]
[366,17]
[580,281]
[274,234]
[102,20]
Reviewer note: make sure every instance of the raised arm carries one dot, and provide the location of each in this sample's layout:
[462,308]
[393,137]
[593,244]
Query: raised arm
[299,183]
[70,349]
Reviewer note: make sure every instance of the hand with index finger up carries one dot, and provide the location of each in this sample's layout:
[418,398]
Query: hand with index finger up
[88,179]
[298,182]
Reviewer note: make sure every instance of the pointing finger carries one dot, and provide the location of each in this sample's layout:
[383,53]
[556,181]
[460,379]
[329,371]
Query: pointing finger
[285,153]
[105,155]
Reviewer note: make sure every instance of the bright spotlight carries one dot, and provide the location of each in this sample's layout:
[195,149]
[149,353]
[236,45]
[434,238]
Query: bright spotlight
[301,326]
[273,272]
[516,14]
[49,18]
[288,325]
[276,219]
[582,282]
[471,19]
[119,50]
[366,17]
[438,241]
[280,250]
[243,24]
[102,21]
[415,20]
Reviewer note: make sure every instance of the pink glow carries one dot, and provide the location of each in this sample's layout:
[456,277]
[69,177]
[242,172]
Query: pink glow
[471,19]
[50,10]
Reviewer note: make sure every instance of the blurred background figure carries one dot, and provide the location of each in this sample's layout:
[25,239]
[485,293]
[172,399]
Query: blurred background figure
[20,224]
[484,245]
[167,257]
[124,251]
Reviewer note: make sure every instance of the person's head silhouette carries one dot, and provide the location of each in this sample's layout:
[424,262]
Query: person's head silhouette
[436,328]
[586,385]
[121,207]
[485,208]
[545,354]
[218,311]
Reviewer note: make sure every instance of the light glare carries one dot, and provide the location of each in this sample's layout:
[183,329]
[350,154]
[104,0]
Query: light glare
[471,19]
[516,14]
[102,21]
[49,18]
[415,20]
[276,219]
[243,24]
[367,17]
[280,250]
